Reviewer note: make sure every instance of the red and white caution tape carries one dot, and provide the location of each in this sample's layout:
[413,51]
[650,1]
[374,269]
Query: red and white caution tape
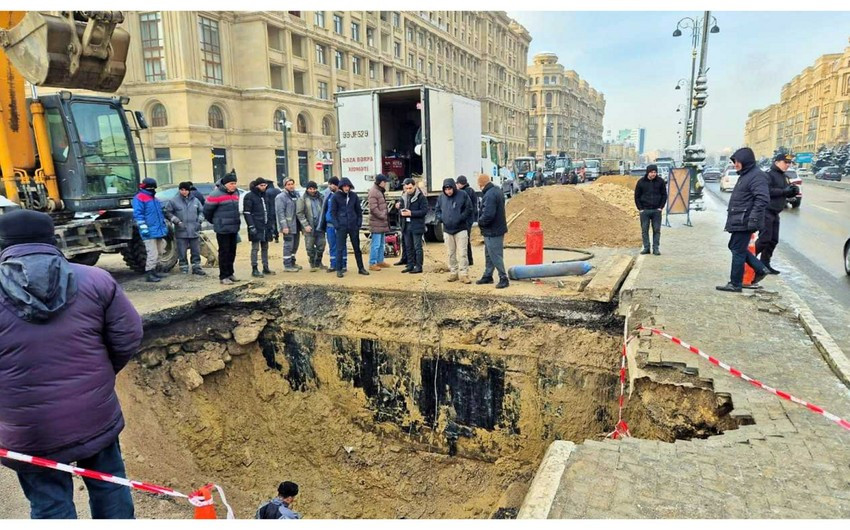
[622,428]
[195,499]
[755,382]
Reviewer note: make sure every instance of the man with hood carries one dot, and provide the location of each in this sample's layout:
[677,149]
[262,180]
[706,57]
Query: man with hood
[272,192]
[284,206]
[308,210]
[780,190]
[379,223]
[745,215]
[454,210]
[259,212]
[494,225]
[147,211]
[67,330]
[196,193]
[347,215]
[222,210]
[413,208]
[326,225]
[185,212]
[463,185]
[650,198]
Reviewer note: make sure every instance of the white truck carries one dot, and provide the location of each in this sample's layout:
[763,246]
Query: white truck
[409,131]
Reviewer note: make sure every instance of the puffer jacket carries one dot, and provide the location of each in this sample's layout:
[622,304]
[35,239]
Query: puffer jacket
[454,212]
[345,210]
[66,330]
[379,222]
[650,194]
[284,207]
[147,211]
[259,213]
[492,220]
[222,210]
[777,187]
[186,213]
[308,210]
[745,212]
[418,206]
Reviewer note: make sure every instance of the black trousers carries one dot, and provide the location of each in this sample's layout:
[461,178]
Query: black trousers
[769,237]
[226,254]
[469,244]
[353,234]
[739,243]
[413,249]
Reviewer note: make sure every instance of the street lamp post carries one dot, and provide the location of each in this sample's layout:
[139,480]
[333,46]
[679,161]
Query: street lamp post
[284,126]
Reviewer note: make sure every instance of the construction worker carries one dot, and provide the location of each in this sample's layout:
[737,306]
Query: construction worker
[259,212]
[780,191]
[186,212]
[222,210]
[147,211]
[285,205]
[280,507]
[308,210]
[67,331]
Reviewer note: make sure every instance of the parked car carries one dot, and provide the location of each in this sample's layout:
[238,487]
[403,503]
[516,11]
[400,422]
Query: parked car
[847,256]
[728,180]
[829,173]
[804,172]
[795,180]
[711,175]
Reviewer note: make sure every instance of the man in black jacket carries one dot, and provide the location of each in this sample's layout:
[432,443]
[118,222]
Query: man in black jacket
[347,216]
[780,190]
[745,215]
[454,211]
[258,209]
[413,208]
[650,198]
[494,225]
[463,185]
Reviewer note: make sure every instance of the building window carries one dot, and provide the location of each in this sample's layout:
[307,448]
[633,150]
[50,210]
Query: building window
[320,54]
[356,68]
[275,36]
[153,49]
[323,90]
[279,119]
[159,117]
[372,69]
[210,50]
[421,38]
[301,124]
[396,20]
[355,31]
[430,68]
[297,45]
[319,19]
[409,34]
[421,64]
[338,24]
[370,37]
[397,49]
[327,127]
[548,100]
[215,117]
[410,60]
[399,78]
[339,60]
[278,77]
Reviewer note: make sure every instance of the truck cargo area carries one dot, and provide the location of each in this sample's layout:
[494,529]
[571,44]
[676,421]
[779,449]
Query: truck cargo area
[400,120]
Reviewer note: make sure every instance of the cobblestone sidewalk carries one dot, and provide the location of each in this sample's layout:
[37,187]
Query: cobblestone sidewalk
[790,463]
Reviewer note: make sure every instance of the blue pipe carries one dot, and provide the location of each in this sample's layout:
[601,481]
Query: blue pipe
[527,272]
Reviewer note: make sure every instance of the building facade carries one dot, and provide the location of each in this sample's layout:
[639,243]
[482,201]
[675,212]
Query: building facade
[227,89]
[620,151]
[813,110]
[636,137]
[565,112]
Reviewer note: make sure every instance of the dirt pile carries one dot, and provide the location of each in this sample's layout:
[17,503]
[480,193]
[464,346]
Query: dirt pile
[625,181]
[572,218]
[617,195]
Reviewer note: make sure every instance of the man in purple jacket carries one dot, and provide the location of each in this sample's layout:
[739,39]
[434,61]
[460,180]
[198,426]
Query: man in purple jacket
[66,330]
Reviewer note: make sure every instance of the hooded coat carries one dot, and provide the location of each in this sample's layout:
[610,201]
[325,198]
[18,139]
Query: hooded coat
[147,211]
[454,212]
[650,194]
[345,209]
[222,210]
[258,209]
[379,222]
[750,196]
[492,220]
[66,330]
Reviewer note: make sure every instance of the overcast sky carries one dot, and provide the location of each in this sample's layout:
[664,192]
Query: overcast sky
[635,61]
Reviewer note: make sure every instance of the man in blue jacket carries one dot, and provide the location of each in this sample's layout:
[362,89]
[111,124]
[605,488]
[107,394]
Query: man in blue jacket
[326,225]
[347,215]
[147,211]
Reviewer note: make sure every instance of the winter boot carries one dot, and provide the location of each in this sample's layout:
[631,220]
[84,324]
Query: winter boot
[152,277]
[465,279]
[503,282]
[452,277]
[267,271]
[184,269]
[255,272]
[198,271]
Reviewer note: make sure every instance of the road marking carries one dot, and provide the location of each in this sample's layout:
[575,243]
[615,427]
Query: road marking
[822,208]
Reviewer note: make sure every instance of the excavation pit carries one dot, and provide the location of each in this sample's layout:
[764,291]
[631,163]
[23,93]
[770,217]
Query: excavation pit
[385,404]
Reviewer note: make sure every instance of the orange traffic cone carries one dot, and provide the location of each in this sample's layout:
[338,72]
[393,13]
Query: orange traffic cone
[749,273]
[208,511]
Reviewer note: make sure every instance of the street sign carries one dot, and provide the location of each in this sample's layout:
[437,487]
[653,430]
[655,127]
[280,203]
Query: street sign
[319,166]
[803,158]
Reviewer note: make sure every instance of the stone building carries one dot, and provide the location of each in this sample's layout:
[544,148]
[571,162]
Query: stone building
[215,86]
[565,112]
[813,110]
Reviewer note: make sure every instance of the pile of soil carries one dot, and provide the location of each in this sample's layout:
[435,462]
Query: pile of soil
[619,196]
[626,181]
[571,218]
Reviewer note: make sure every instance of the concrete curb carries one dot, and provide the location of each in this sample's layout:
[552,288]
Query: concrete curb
[829,349]
[628,288]
[826,184]
[541,494]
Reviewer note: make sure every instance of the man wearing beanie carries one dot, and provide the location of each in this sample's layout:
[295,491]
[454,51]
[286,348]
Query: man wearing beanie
[222,210]
[780,190]
[308,210]
[327,226]
[650,198]
[285,205]
[494,225]
[68,329]
[258,210]
[379,223]
[347,217]
[147,211]
[186,212]
[463,185]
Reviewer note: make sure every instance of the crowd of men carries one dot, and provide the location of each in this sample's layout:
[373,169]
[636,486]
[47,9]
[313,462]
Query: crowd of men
[332,218]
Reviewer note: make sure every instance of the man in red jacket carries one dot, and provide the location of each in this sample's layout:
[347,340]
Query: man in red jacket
[66,330]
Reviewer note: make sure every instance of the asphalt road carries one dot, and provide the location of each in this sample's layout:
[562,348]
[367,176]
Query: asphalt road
[810,253]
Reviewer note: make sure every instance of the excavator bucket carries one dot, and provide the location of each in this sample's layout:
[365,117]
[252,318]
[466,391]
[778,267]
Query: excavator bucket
[80,49]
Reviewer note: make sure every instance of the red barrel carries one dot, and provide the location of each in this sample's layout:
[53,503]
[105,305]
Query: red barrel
[534,244]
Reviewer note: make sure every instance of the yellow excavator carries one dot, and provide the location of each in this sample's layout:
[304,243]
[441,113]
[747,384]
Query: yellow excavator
[71,155]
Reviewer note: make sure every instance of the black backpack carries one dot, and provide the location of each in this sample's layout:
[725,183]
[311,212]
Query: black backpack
[268,510]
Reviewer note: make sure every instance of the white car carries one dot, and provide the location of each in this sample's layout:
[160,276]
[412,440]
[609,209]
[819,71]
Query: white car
[804,173]
[728,180]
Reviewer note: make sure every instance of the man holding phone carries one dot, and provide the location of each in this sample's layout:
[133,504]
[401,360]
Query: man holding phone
[413,208]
